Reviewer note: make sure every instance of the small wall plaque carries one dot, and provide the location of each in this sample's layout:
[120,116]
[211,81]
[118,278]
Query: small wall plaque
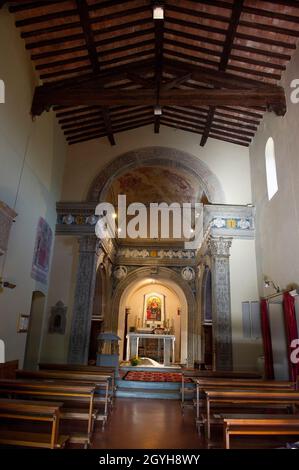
[57,321]
[23,323]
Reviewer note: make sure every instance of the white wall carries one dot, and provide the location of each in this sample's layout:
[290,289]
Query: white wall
[229,162]
[62,285]
[278,219]
[243,288]
[31,165]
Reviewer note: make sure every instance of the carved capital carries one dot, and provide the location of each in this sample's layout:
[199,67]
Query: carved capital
[220,246]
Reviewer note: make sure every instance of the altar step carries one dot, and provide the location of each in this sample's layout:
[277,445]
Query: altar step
[153,390]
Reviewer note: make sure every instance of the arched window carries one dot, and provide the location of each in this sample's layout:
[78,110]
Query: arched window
[272,185]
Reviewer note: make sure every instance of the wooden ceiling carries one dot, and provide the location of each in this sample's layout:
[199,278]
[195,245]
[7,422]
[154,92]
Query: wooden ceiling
[213,66]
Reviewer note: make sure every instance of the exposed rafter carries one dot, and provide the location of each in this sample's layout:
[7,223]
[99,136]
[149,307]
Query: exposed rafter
[105,63]
[93,56]
[159,36]
[227,48]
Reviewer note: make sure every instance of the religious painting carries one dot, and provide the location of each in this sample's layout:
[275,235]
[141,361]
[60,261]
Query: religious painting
[154,308]
[42,251]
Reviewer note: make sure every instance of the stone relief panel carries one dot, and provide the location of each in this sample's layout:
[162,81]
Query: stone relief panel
[120,272]
[188,274]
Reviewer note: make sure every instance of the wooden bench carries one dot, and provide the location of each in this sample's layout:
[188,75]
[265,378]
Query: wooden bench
[210,374]
[101,370]
[19,410]
[69,393]
[101,382]
[243,398]
[203,383]
[258,424]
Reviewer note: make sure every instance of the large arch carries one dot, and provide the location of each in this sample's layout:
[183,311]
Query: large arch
[156,156]
[161,273]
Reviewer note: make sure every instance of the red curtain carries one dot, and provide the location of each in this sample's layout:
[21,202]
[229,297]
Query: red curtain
[291,331]
[269,371]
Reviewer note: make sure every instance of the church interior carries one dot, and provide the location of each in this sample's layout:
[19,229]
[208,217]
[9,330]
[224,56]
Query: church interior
[149,223]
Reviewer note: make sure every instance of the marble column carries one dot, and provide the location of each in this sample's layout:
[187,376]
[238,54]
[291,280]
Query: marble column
[222,330]
[83,302]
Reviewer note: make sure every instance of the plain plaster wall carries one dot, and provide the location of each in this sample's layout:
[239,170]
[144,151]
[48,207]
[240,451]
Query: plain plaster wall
[229,162]
[277,220]
[32,158]
[244,287]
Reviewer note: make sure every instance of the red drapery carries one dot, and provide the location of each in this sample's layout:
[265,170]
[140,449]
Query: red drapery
[291,331]
[269,371]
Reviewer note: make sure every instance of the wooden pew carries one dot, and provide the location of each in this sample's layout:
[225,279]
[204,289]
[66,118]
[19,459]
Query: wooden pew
[188,373]
[67,392]
[243,398]
[258,424]
[19,410]
[203,383]
[101,382]
[101,370]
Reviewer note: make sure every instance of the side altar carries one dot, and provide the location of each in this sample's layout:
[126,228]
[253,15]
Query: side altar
[168,343]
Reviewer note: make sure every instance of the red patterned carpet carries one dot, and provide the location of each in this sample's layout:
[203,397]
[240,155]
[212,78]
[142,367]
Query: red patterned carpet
[141,376]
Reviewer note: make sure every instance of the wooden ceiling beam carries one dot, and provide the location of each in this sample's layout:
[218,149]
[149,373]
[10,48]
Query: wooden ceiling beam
[171,54]
[159,47]
[95,20]
[271,14]
[107,52]
[210,76]
[104,63]
[115,118]
[31,5]
[226,52]
[217,42]
[101,43]
[247,37]
[177,81]
[82,7]
[124,128]
[273,97]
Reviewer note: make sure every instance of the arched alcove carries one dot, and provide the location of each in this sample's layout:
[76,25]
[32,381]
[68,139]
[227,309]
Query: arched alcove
[176,310]
[164,276]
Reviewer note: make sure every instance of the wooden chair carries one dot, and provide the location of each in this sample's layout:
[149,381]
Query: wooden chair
[19,410]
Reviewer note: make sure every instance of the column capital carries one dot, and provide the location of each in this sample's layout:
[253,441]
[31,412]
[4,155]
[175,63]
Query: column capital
[220,246]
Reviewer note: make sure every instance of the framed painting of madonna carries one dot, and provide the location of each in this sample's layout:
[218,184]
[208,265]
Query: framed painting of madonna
[154,308]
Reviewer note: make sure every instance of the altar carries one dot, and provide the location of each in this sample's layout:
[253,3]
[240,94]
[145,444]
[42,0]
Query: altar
[133,341]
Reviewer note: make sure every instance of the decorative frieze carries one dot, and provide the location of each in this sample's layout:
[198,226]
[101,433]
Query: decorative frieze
[154,253]
[227,220]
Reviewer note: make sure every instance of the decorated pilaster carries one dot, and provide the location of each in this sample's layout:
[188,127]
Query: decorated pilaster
[83,303]
[222,330]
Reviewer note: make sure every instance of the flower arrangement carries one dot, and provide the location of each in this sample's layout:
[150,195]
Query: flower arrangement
[135,361]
